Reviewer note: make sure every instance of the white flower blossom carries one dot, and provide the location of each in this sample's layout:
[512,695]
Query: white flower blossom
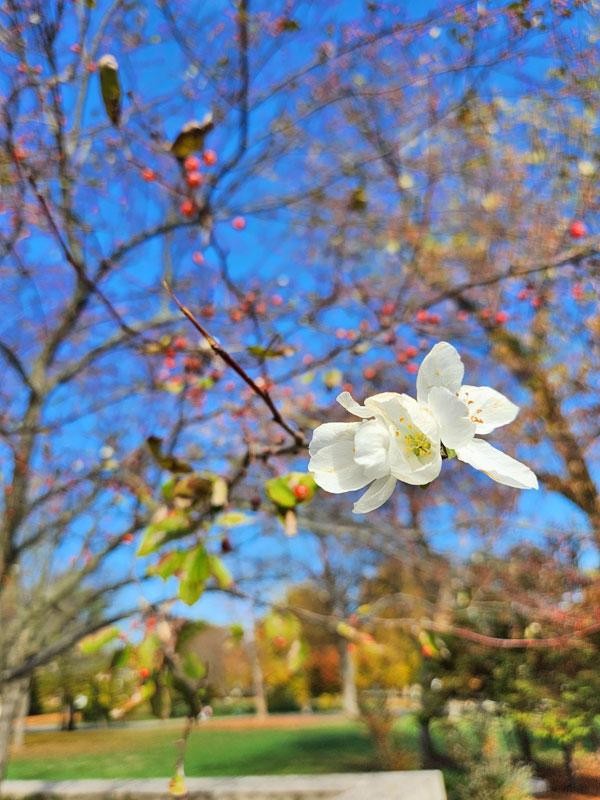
[464,411]
[400,439]
[397,440]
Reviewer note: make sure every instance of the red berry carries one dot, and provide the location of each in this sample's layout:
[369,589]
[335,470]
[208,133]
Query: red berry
[238,223]
[169,363]
[180,343]
[411,351]
[401,357]
[209,157]
[191,164]
[127,538]
[501,317]
[462,316]
[300,491]
[434,319]
[369,373]
[577,292]
[19,154]
[577,229]
[523,294]
[148,174]
[277,300]
[422,315]
[387,309]
[412,368]
[194,179]
[144,673]
[188,208]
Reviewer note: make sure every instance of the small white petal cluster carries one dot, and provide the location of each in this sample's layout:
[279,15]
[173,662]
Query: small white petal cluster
[400,438]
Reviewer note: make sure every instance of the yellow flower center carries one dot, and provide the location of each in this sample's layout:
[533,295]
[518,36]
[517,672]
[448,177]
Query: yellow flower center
[416,442]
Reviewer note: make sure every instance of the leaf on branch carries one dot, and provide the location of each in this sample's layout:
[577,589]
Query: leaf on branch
[280,492]
[333,378]
[193,667]
[196,570]
[191,137]
[173,526]
[285,351]
[96,641]
[220,572]
[170,463]
[110,87]
[168,565]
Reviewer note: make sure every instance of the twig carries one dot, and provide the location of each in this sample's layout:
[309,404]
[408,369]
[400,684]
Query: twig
[298,436]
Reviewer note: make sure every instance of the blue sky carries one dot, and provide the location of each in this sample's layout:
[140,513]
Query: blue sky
[265,254]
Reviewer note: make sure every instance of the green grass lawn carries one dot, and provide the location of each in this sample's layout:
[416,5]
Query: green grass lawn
[150,752]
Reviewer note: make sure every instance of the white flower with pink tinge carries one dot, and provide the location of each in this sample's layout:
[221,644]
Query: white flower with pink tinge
[400,439]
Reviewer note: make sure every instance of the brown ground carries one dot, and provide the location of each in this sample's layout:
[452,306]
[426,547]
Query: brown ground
[588,781]
[233,723]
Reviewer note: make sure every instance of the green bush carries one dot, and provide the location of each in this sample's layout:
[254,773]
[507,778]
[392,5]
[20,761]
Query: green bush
[487,771]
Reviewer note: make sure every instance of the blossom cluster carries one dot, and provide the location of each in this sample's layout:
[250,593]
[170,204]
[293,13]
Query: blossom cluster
[399,438]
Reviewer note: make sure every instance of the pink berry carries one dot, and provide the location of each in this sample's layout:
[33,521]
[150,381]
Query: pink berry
[238,223]
[422,315]
[501,317]
[197,257]
[209,157]
[412,368]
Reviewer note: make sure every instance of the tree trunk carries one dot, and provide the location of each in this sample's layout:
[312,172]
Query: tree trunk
[431,758]
[21,711]
[349,692]
[524,743]
[10,697]
[567,750]
[260,698]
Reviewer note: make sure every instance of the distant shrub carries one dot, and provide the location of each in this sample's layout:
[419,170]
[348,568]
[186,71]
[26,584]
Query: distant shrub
[487,771]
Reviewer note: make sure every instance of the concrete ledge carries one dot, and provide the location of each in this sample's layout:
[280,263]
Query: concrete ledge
[418,785]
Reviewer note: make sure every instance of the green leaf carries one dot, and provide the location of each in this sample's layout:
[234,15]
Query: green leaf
[271,352]
[168,565]
[231,519]
[110,87]
[122,657]
[173,526]
[96,641]
[333,378]
[279,491]
[193,667]
[220,572]
[170,463]
[196,570]
[148,650]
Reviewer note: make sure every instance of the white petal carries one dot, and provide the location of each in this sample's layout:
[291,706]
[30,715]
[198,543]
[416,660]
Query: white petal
[441,367]
[330,433]
[332,458]
[452,415]
[500,467]
[422,418]
[417,473]
[487,407]
[376,495]
[371,445]
[346,400]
